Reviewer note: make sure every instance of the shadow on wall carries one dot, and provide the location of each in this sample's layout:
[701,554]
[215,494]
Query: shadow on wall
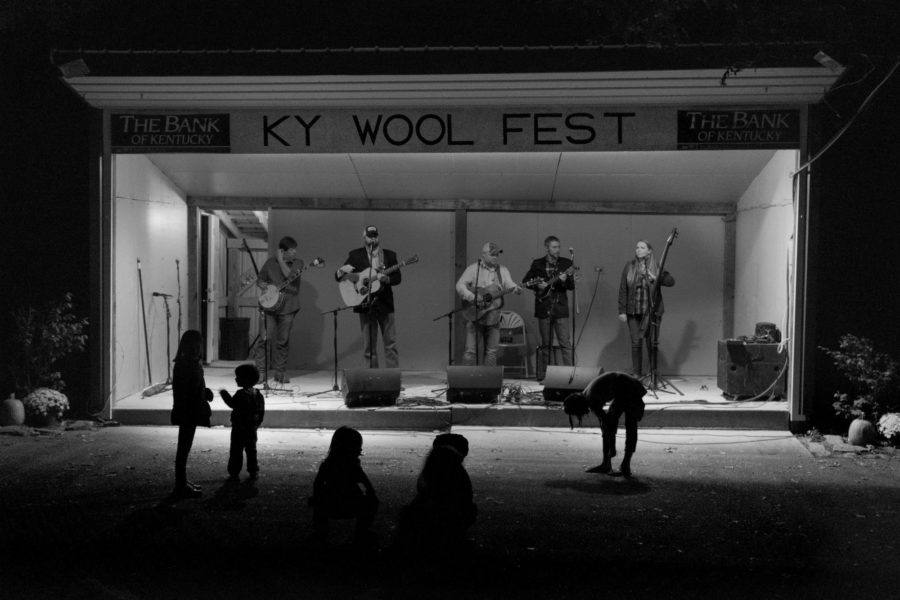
[689,342]
[615,355]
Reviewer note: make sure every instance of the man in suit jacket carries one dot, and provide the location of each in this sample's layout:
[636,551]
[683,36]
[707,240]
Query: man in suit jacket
[379,308]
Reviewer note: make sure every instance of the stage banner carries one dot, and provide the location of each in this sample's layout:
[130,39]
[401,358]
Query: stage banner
[738,129]
[175,132]
[460,129]
[455,129]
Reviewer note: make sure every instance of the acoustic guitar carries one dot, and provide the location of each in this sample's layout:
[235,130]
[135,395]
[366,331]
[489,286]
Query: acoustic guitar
[271,299]
[487,300]
[356,287]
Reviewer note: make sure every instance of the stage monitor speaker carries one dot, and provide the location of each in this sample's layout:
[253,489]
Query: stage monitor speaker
[474,385]
[749,368]
[559,381]
[370,387]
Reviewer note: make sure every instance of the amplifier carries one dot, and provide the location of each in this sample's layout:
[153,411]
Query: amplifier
[748,369]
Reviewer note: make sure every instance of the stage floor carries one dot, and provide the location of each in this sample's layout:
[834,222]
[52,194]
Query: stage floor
[309,401]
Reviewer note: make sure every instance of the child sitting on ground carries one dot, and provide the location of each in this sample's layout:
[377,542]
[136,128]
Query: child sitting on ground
[443,510]
[341,489]
[248,407]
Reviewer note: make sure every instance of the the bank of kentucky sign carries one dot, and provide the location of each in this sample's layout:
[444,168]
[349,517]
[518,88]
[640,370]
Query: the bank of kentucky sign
[142,132]
[455,130]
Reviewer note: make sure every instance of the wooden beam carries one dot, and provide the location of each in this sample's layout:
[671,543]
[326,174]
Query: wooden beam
[225,220]
[254,243]
[621,207]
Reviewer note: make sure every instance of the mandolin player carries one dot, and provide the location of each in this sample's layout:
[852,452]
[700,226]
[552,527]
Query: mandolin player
[281,271]
[553,274]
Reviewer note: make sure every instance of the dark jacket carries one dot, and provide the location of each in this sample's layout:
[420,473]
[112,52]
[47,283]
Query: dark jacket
[383,299]
[556,303]
[624,392]
[190,396]
[247,408]
[270,273]
[629,283]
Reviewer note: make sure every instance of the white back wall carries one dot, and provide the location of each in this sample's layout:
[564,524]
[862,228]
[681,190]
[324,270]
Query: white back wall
[150,225]
[693,319]
[425,292]
[764,244]
[690,330]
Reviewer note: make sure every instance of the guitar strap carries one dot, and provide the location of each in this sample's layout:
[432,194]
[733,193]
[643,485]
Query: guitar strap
[502,287]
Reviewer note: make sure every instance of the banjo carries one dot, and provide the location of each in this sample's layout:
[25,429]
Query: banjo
[356,287]
[271,299]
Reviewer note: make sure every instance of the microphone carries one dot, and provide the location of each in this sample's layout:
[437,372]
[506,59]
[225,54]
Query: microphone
[161,294]
[572,251]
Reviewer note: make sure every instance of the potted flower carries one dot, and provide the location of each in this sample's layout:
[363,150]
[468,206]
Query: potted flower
[889,427]
[43,336]
[872,378]
[44,407]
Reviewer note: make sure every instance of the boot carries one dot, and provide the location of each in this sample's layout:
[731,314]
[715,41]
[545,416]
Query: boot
[604,467]
[637,362]
[625,467]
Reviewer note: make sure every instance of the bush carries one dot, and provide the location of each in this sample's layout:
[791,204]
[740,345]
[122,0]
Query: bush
[872,378]
[42,337]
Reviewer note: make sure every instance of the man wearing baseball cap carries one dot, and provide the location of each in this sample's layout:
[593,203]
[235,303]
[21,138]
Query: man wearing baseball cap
[375,309]
[483,278]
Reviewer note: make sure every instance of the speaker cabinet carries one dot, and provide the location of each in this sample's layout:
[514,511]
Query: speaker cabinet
[559,382]
[748,369]
[474,385]
[370,387]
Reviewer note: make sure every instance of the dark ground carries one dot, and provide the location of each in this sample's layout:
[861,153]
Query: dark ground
[711,514]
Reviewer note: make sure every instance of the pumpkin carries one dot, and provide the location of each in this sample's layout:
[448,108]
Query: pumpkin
[862,433]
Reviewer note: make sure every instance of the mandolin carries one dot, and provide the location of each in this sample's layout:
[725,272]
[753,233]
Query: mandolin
[545,293]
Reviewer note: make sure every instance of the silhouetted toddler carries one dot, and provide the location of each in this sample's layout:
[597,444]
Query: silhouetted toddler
[341,489]
[248,407]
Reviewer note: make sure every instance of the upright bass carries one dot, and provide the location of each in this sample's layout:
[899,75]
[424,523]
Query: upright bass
[653,303]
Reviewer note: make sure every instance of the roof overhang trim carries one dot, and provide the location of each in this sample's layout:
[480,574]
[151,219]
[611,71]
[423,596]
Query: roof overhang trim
[764,86]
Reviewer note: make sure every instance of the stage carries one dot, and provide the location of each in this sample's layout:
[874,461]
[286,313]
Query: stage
[310,402]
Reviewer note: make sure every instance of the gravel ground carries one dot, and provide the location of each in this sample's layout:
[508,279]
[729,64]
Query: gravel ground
[709,514]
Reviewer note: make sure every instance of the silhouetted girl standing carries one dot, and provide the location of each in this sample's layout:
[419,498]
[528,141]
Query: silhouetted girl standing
[190,407]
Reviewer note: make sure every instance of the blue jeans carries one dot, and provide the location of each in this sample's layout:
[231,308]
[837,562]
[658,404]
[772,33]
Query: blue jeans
[278,331]
[185,441]
[547,327]
[487,339]
[243,439]
[611,424]
[385,322]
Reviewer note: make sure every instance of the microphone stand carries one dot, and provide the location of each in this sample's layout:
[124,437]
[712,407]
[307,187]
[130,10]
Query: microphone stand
[574,310]
[168,341]
[449,316]
[369,312]
[475,322]
[334,312]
